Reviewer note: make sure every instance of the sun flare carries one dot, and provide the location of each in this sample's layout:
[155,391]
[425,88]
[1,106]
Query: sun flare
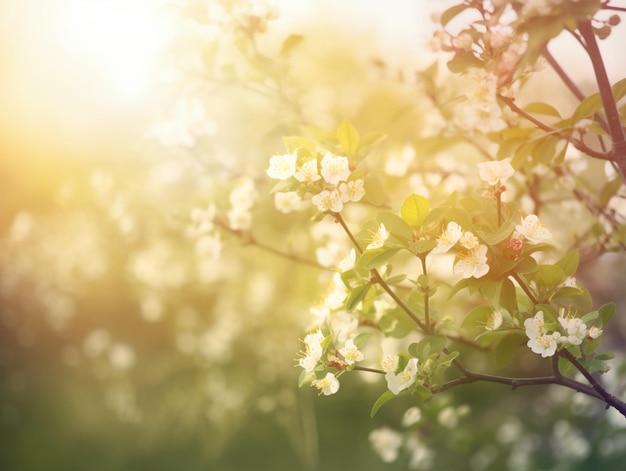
[121,38]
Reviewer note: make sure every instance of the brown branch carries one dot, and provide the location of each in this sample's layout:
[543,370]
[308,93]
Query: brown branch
[473,377]
[608,398]
[616,130]
[248,239]
[510,102]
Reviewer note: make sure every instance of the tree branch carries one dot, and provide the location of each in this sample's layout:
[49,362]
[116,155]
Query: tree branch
[544,127]
[616,130]
[473,377]
[248,239]
[608,398]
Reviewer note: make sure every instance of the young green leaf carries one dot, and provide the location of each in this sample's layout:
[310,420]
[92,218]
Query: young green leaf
[348,138]
[383,398]
[414,210]
[376,257]
[569,262]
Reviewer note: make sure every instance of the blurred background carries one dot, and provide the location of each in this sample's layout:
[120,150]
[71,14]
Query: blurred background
[132,336]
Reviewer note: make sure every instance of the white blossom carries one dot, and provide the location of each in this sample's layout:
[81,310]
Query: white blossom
[352,191]
[401,381]
[544,345]
[448,238]
[494,321]
[411,416]
[308,172]
[532,229]
[288,201]
[389,363]
[495,172]
[378,238]
[282,166]
[313,350]
[350,353]
[575,328]
[398,163]
[328,385]
[347,263]
[472,263]
[328,201]
[386,442]
[335,168]
[469,241]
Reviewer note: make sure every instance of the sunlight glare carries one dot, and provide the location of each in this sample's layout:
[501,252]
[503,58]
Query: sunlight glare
[122,38]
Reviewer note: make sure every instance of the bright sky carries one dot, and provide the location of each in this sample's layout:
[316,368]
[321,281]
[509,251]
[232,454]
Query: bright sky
[73,67]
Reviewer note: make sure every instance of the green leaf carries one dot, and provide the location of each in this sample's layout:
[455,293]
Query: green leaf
[507,348]
[606,311]
[396,324]
[542,108]
[477,317]
[452,12]
[376,257]
[526,265]
[293,143]
[383,398]
[356,295]
[446,360]
[394,280]
[490,337]
[462,61]
[605,356]
[348,138]
[303,378]
[610,190]
[545,149]
[593,103]
[289,43]
[549,276]
[369,141]
[569,262]
[374,190]
[461,284]
[414,210]
[420,247]
[395,225]
[420,392]
[500,234]
[508,295]
[427,346]
[590,316]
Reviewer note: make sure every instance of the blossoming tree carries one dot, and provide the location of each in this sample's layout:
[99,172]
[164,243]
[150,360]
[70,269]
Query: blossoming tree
[424,228]
[479,241]
[430,283]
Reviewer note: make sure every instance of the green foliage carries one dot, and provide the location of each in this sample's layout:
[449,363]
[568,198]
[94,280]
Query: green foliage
[414,210]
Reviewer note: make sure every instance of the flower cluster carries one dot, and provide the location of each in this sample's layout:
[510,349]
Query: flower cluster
[399,381]
[242,197]
[324,178]
[333,344]
[495,172]
[472,255]
[544,338]
[202,230]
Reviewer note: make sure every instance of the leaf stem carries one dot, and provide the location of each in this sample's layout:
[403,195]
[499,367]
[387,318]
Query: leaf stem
[426,296]
[348,232]
[524,287]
